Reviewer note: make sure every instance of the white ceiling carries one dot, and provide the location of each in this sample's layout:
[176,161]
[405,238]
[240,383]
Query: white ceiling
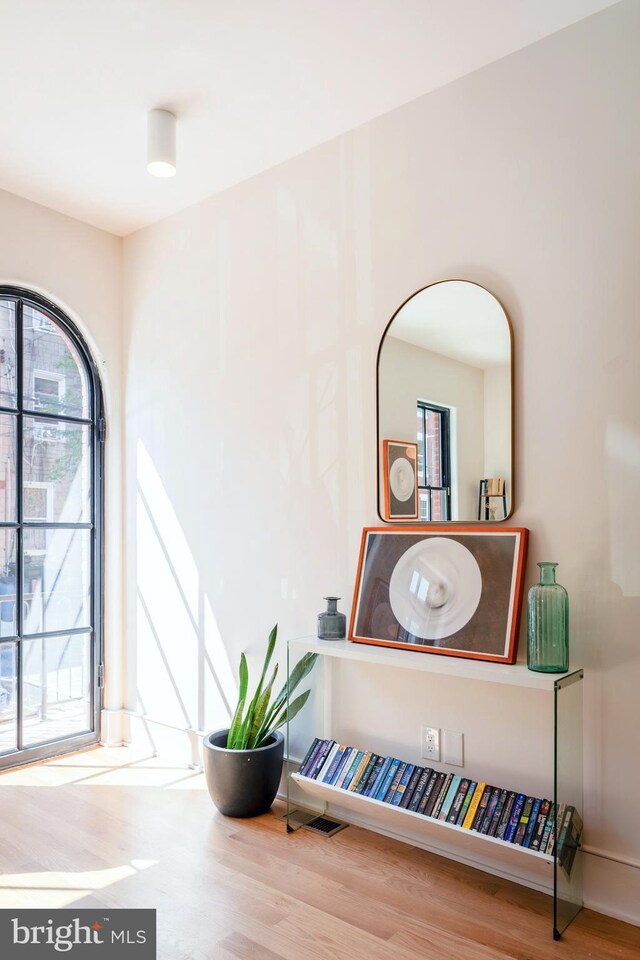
[457,319]
[254,82]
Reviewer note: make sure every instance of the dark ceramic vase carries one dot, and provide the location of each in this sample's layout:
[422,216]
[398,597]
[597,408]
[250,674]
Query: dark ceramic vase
[332,625]
[242,783]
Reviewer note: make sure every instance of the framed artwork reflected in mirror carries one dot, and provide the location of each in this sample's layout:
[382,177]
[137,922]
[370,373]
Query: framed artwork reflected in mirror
[400,480]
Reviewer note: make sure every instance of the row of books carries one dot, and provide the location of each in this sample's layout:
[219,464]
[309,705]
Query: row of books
[473,805]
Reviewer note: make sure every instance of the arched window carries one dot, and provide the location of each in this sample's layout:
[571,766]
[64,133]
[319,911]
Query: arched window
[51,454]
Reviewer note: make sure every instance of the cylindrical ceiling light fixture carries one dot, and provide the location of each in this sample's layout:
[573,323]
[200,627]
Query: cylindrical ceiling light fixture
[161,143]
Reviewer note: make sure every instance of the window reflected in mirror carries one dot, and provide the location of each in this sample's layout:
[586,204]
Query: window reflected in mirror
[445,381]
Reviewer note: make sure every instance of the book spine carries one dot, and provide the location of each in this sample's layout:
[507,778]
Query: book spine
[533,819]
[431,794]
[435,813]
[478,793]
[411,787]
[492,803]
[423,785]
[555,829]
[308,755]
[452,792]
[396,780]
[482,807]
[341,765]
[497,814]
[347,760]
[506,814]
[402,786]
[372,789]
[368,771]
[548,828]
[514,819]
[538,833]
[563,829]
[321,756]
[326,763]
[312,759]
[373,779]
[361,769]
[572,842]
[355,763]
[467,802]
[388,780]
[333,765]
[524,821]
[458,800]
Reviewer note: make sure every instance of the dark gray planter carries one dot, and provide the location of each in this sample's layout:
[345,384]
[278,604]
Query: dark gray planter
[242,783]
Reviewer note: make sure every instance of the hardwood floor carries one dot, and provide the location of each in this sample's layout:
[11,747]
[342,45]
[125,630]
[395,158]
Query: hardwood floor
[106,828]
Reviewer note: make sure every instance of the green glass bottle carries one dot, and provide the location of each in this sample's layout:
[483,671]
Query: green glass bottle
[548,624]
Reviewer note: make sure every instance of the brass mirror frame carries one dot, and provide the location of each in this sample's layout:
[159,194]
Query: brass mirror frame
[429,523]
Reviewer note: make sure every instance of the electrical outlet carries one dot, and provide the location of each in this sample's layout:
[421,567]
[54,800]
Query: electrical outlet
[430,743]
[453,748]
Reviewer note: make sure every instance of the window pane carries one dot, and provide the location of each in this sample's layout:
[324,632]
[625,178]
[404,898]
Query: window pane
[8,396]
[56,686]
[8,582]
[56,471]
[8,441]
[421,459]
[57,577]
[439,505]
[54,379]
[434,446]
[8,688]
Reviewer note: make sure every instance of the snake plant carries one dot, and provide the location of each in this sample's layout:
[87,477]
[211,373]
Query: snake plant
[253,728]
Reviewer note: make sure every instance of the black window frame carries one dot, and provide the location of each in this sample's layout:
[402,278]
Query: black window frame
[445,458]
[96,423]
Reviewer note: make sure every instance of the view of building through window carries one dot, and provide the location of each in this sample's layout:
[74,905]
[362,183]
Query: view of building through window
[434,459]
[46,518]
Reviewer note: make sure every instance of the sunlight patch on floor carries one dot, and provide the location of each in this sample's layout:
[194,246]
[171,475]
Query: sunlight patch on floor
[62,888]
[107,767]
[40,898]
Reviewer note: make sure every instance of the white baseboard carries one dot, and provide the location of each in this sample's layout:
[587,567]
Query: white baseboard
[112,728]
[131,728]
[612,888]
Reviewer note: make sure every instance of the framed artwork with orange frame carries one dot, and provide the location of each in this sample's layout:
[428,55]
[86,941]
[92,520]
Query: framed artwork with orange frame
[450,589]
[400,466]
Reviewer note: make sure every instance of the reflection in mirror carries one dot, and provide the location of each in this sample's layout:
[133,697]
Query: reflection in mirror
[445,380]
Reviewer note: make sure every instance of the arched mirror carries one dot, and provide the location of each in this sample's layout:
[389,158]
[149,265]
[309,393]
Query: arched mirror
[445,408]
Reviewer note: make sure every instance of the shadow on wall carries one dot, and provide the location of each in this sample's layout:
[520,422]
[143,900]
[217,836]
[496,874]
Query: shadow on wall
[182,664]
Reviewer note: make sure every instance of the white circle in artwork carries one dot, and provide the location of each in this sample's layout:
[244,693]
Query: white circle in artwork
[402,479]
[435,588]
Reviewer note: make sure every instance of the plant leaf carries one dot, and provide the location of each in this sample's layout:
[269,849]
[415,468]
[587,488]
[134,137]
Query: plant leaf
[260,711]
[236,726]
[271,643]
[251,712]
[302,669]
[236,723]
[288,714]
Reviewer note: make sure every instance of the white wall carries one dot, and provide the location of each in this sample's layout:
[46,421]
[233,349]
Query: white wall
[497,431]
[79,268]
[253,321]
[408,373]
